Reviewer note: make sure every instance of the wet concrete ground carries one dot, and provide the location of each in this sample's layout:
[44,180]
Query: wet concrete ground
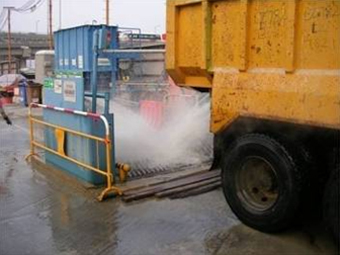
[41,213]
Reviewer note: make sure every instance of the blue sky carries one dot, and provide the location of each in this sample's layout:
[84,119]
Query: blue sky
[149,15]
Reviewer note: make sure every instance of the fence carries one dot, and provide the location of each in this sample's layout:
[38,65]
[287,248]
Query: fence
[60,133]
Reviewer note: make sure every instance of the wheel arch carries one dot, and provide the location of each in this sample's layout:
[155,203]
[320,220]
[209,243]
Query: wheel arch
[311,137]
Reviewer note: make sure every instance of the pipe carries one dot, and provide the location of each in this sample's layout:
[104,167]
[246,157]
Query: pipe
[94,71]
[123,171]
[107,103]
[133,51]
[99,95]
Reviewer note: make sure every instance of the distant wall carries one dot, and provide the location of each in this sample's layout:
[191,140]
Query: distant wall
[31,43]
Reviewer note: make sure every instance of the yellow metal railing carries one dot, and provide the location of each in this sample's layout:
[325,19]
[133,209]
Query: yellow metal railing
[60,134]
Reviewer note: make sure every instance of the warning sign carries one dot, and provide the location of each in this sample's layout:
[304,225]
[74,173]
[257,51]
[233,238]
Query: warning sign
[58,86]
[70,91]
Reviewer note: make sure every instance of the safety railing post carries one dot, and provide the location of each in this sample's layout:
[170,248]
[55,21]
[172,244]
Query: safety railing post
[31,133]
[109,176]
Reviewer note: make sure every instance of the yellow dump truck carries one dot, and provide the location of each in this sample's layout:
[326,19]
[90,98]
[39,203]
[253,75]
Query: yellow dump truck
[273,70]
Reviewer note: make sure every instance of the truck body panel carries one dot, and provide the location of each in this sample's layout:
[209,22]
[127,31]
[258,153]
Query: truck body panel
[274,60]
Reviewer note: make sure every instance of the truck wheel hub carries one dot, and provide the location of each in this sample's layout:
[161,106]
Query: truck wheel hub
[256,184]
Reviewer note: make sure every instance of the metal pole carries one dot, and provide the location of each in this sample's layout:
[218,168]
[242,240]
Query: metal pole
[9,39]
[94,71]
[108,162]
[50,24]
[107,12]
[37,26]
[60,14]
[31,130]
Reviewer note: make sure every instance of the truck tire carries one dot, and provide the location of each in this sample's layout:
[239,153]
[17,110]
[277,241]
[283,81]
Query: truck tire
[332,204]
[263,182]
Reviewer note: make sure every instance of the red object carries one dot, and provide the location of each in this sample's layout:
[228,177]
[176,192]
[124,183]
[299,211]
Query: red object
[6,100]
[68,110]
[108,38]
[152,112]
[93,115]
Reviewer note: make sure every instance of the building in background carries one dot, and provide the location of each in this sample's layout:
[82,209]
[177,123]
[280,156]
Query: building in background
[24,46]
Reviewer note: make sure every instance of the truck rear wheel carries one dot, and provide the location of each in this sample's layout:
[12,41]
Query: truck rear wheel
[262,182]
[332,204]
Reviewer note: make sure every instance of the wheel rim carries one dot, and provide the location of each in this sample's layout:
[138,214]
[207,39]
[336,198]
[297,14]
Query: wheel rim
[256,184]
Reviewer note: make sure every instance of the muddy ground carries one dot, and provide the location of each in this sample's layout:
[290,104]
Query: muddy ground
[43,214]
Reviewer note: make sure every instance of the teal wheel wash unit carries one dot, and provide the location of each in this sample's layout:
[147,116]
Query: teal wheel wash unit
[82,58]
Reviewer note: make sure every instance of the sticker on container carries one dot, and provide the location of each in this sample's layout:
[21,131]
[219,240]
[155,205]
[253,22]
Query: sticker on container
[48,83]
[74,62]
[58,86]
[80,61]
[70,91]
[66,61]
[61,62]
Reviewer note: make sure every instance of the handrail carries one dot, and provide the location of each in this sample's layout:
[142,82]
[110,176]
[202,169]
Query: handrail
[105,140]
[71,111]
